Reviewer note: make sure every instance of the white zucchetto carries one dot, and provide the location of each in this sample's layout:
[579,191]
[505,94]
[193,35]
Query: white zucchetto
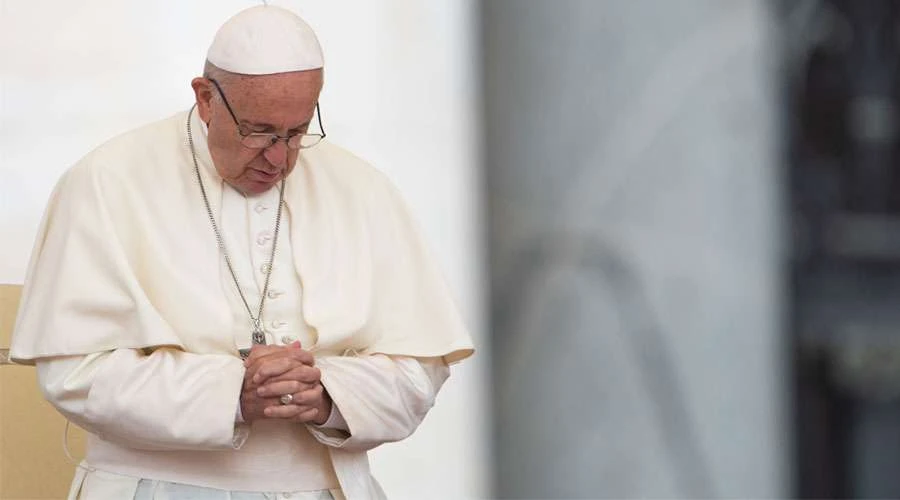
[264,40]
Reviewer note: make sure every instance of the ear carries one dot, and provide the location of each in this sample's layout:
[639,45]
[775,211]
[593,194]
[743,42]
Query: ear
[203,94]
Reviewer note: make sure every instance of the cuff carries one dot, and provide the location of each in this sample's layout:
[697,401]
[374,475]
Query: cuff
[241,433]
[238,416]
[335,420]
[329,437]
[334,432]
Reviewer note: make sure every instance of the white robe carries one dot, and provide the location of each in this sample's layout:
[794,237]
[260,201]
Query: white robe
[125,267]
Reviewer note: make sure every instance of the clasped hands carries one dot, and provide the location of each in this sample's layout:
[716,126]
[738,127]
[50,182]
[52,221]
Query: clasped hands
[275,371]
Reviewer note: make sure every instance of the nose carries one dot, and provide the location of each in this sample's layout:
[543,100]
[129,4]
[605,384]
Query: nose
[276,154]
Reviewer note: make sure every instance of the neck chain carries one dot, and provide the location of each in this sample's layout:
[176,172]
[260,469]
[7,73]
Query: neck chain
[258,335]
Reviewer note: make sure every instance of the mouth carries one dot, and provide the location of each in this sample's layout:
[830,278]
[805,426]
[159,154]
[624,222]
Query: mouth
[266,176]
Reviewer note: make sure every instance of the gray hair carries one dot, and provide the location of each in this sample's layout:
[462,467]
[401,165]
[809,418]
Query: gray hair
[218,74]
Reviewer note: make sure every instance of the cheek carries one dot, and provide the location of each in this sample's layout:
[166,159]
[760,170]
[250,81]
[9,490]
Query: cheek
[220,143]
[242,161]
[230,157]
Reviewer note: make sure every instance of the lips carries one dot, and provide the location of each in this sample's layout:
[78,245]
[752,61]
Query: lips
[265,176]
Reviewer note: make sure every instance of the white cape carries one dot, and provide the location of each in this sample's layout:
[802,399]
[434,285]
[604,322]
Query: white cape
[125,258]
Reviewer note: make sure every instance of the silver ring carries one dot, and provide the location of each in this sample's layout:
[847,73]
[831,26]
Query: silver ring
[287,399]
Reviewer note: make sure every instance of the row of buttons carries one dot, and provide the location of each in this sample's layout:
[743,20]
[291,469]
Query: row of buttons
[285,339]
[263,239]
[261,207]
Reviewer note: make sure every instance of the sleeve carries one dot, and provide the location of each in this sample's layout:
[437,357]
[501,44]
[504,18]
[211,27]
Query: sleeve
[165,400]
[381,398]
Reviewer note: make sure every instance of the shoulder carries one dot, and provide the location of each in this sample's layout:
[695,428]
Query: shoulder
[127,155]
[342,164]
[331,164]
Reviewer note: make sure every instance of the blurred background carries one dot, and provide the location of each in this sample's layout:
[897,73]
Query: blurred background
[673,227]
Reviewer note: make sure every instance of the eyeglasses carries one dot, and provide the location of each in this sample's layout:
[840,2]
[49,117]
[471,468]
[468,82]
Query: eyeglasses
[260,140]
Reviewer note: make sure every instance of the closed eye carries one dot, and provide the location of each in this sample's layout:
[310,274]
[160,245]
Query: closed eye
[260,128]
[299,130]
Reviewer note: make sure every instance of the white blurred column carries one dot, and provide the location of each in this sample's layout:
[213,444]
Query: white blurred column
[633,180]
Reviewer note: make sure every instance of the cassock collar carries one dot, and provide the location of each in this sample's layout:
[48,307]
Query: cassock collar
[201,146]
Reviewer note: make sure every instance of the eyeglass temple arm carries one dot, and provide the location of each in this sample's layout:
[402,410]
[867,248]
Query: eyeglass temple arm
[319,118]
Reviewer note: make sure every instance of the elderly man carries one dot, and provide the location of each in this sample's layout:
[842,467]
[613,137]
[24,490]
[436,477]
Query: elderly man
[230,306]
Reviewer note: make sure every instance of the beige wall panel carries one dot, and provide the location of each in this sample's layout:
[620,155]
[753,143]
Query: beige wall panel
[33,464]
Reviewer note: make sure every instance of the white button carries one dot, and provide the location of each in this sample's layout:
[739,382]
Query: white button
[264,268]
[260,207]
[276,324]
[288,339]
[274,294]
[263,238]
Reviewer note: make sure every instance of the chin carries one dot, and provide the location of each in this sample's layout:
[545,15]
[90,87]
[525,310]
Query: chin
[253,188]
[250,188]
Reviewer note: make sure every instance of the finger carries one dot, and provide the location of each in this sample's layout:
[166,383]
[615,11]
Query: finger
[253,406]
[251,381]
[251,377]
[292,412]
[307,416]
[274,368]
[259,350]
[272,365]
[277,389]
[307,374]
[311,396]
[303,357]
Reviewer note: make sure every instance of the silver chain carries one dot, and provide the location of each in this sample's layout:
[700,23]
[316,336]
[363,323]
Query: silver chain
[258,335]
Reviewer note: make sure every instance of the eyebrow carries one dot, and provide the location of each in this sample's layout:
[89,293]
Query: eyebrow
[267,127]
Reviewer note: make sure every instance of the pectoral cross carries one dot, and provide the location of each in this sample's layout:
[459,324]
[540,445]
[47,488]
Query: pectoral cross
[257,335]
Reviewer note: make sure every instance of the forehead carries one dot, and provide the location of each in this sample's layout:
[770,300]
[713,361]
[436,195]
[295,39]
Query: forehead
[281,99]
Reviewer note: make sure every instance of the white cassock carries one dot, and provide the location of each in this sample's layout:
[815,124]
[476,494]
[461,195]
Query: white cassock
[134,322]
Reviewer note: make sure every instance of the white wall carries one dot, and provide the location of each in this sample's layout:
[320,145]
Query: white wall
[399,92]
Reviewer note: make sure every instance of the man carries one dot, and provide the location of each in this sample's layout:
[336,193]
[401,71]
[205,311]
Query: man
[229,305]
